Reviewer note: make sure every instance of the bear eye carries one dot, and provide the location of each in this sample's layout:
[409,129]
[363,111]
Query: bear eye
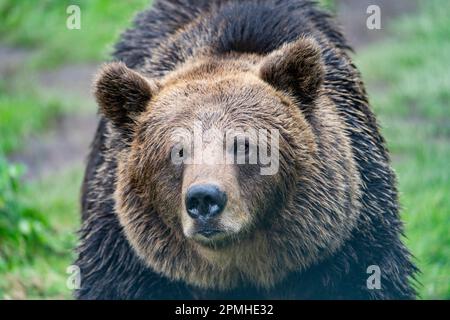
[241,147]
[177,154]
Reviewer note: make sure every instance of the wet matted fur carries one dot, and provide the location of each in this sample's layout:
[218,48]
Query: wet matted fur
[310,231]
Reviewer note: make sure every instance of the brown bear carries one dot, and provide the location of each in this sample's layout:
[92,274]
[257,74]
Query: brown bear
[323,225]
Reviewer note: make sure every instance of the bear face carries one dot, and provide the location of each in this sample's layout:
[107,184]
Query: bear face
[216,223]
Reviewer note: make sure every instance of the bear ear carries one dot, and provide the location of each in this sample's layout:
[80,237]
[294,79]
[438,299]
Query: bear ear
[122,93]
[296,67]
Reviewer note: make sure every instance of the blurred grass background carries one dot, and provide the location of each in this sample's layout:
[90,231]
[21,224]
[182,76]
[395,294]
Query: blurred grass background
[408,79]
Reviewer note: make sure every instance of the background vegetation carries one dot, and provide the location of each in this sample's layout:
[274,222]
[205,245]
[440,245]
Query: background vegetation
[408,78]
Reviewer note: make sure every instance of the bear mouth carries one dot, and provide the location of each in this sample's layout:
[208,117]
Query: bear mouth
[216,239]
[209,232]
[213,237]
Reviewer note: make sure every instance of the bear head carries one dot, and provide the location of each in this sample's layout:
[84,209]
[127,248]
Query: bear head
[232,168]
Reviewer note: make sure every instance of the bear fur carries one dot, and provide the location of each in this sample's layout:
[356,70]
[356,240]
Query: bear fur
[315,227]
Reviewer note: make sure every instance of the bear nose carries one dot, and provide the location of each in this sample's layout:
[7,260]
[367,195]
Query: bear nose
[205,201]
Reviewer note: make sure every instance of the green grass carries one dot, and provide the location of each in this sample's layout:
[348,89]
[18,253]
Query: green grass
[37,233]
[22,113]
[23,229]
[41,25]
[409,82]
[44,274]
[38,220]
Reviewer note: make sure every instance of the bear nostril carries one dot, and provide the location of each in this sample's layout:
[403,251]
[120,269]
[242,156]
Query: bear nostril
[192,206]
[205,201]
[193,203]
